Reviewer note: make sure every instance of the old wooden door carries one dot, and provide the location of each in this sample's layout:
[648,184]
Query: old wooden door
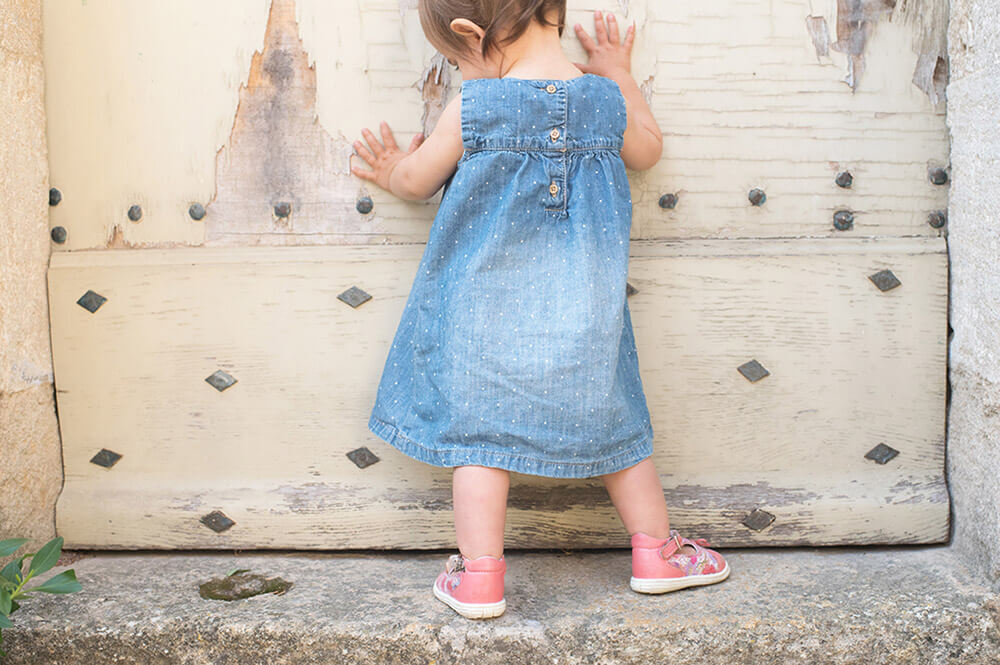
[214,375]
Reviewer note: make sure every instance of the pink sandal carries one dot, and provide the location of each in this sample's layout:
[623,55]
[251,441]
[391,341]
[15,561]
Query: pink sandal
[473,587]
[658,567]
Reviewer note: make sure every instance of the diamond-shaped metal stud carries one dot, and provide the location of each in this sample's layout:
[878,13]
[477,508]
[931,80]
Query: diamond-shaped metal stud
[362,457]
[106,458]
[884,280]
[91,300]
[758,519]
[217,521]
[630,290]
[752,370]
[220,380]
[881,453]
[354,296]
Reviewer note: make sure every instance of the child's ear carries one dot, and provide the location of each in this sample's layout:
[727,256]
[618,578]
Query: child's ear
[467,30]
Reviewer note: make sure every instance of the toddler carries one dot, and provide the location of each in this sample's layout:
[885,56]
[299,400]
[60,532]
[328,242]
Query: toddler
[515,350]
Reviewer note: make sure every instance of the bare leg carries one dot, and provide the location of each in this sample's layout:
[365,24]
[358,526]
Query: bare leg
[480,497]
[638,497]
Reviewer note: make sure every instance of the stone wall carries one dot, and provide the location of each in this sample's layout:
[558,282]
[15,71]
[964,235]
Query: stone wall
[974,248]
[30,462]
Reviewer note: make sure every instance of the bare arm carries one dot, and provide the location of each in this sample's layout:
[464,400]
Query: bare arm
[418,173]
[611,57]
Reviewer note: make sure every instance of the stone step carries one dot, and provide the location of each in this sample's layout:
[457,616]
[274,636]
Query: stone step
[892,605]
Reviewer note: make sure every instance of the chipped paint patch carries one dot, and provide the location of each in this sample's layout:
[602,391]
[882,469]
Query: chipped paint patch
[820,35]
[646,88]
[929,19]
[855,20]
[282,179]
[407,5]
[435,89]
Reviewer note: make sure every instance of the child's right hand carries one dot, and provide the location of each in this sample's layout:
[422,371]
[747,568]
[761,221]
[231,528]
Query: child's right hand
[609,54]
[382,159]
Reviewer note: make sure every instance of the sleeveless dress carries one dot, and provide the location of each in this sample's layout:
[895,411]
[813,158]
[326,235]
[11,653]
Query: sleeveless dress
[515,347]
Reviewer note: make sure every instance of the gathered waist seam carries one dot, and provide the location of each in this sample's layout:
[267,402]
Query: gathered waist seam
[553,150]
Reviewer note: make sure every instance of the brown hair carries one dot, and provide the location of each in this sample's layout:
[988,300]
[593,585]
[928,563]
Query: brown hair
[502,20]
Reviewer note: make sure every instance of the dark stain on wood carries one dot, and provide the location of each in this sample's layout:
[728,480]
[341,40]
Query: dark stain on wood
[279,153]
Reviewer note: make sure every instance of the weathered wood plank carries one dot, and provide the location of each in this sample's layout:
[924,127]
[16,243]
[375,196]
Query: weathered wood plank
[194,114]
[851,367]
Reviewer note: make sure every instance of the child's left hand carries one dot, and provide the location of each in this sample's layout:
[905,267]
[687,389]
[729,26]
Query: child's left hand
[382,159]
[610,53]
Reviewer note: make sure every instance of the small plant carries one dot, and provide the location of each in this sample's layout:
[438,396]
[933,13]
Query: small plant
[13,579]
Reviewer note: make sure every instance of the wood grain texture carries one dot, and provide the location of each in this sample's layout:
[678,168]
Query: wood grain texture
[851,366]
[176,116]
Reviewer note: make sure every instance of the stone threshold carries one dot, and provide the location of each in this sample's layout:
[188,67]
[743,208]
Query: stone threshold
[871,605]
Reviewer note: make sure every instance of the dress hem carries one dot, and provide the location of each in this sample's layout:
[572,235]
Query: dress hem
[389,433]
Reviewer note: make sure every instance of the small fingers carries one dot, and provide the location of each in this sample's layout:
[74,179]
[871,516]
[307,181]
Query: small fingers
[629,37]
[364,174]
[602,33]
[363,152]
[376,147]
[585,41]
[612,29]
[417,140]
[387,137]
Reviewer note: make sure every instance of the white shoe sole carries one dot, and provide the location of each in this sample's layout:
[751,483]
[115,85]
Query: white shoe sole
[665,584]
[472,610]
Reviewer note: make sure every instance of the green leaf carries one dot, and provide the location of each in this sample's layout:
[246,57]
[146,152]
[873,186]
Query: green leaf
[237,570]
[46,557]
[5,601]
[11,573]
[8,547]
[64,582]
[5,622]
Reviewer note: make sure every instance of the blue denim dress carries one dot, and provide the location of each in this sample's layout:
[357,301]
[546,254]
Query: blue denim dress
[515,346]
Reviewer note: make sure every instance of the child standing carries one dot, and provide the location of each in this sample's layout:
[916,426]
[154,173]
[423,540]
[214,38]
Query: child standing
[515,349]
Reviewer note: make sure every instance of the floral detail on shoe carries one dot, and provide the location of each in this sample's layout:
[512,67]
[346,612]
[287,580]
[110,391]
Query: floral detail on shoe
[693,565]
[699,563]
[452,568]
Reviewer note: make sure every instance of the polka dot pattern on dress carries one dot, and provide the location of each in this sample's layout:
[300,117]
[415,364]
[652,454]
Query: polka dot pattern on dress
[515,347]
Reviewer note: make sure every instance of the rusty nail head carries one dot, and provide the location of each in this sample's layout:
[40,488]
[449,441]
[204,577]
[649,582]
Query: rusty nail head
[91,301]
[757,196]
[283,209]
[753,371]
[844,179]
[937,175]
[58,234]
[55,196]
[884,280]
[135,213]
[365,205]
[217,521]
[937,219]
[197,211]
[354,296]
[106,458]
[362,457]
[881,453]
[668,201]
[843,220]
[220,380]
[758,519]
